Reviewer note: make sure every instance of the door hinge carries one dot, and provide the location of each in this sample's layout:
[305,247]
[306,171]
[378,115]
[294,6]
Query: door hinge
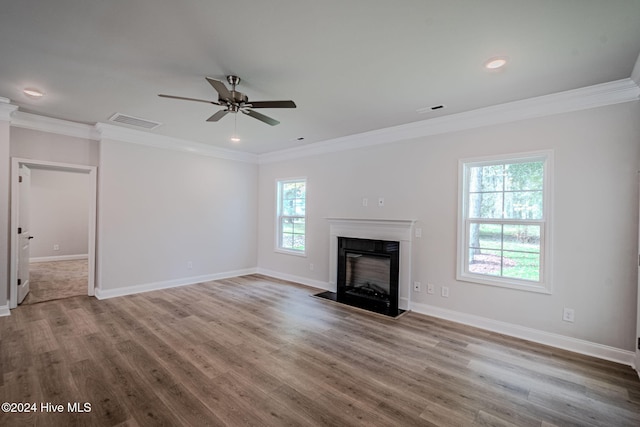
[20,178]
[19,230]
[19,282]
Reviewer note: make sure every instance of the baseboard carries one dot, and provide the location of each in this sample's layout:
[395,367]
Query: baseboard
[4,310]
[297,279]
[58,258]
[588,348]
[147,287]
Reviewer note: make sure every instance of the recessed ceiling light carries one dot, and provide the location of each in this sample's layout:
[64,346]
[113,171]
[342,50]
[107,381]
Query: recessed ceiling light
[33,93]
[495,63]
[235,139]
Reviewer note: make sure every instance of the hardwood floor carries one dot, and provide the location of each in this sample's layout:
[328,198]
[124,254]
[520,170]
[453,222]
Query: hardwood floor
[56,280]
[258,351]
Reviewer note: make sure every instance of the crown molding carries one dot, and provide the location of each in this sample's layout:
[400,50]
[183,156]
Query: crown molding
[615,92]
[102,131]
[58,126]
[132,136]
[6,109]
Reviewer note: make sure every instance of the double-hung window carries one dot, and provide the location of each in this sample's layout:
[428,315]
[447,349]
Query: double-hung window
[291,215]
[504,226]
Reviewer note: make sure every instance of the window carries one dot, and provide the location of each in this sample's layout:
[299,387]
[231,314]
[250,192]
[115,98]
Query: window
[291,215]
[504,222]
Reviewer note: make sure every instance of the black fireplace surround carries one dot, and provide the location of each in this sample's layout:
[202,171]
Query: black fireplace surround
[368,275]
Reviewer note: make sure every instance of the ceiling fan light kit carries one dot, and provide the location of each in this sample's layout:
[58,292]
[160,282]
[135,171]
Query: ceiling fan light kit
[234,101]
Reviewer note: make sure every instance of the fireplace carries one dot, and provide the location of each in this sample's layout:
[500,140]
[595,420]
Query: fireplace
[368,274]
[376,249]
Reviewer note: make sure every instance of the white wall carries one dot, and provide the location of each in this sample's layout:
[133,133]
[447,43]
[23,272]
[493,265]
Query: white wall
[597,155]
[38,145]
[59,213]
[161,209]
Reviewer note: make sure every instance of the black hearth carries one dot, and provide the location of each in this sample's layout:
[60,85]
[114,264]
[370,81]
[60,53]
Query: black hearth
[368,275]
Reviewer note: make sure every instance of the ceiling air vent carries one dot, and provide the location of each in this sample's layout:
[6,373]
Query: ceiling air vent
[133,121]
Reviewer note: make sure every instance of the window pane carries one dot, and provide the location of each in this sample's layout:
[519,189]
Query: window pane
[287,241]
[485,262]
[490,236]
[524,238]
[289,190]
[485,205]
[288,207]
[486,178]
[523,205]
[524,176]
[298,225]
[286,225]
[522,265]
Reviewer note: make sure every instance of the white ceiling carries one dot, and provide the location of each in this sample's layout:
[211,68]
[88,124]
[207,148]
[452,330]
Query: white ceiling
[350,66]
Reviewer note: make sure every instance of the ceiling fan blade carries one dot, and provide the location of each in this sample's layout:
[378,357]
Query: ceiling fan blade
[188,99]
[272,104]
[261,117]
[220,87]
[217,116]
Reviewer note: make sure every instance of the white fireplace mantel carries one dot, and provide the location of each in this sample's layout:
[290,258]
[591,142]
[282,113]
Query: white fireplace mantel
[397,230]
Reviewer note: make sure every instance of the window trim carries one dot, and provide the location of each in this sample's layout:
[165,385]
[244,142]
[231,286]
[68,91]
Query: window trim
[546,230]
[278,231]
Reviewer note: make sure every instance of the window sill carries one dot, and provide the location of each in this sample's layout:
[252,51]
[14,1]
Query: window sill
[519,285]
[291,252]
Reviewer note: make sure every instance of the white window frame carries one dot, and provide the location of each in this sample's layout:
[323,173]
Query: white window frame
[279,216]
[544,285]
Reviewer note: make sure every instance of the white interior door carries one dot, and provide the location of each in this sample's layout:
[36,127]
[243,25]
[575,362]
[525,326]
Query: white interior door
[24,232]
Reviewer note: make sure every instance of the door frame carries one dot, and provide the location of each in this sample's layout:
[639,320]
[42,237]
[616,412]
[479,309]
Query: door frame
[16,162]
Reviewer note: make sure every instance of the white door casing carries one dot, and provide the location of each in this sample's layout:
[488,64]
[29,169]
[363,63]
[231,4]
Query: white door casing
[23,231]
[16,163]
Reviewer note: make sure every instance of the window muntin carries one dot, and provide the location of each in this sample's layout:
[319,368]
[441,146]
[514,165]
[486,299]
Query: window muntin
[292,215]
[504,222]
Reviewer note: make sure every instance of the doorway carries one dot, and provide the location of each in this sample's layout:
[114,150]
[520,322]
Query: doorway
[66,263]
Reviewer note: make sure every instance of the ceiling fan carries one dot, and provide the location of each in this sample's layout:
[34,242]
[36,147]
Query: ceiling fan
[235,101]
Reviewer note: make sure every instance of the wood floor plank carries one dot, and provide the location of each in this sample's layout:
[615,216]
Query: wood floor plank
[258,351]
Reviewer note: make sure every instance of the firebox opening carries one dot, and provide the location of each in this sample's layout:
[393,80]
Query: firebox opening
[367,276]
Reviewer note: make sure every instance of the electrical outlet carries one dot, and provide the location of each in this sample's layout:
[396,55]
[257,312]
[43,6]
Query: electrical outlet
[445,291]
[430,288]
[311,266]
[418,232]
[56,247]
[569,315]
[365,202]
[189,265]
[416,286]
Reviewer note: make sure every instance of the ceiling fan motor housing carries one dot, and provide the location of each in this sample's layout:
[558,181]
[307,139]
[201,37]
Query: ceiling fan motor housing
[236,98]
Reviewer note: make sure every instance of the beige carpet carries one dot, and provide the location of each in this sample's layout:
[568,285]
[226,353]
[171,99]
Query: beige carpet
[56,280]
